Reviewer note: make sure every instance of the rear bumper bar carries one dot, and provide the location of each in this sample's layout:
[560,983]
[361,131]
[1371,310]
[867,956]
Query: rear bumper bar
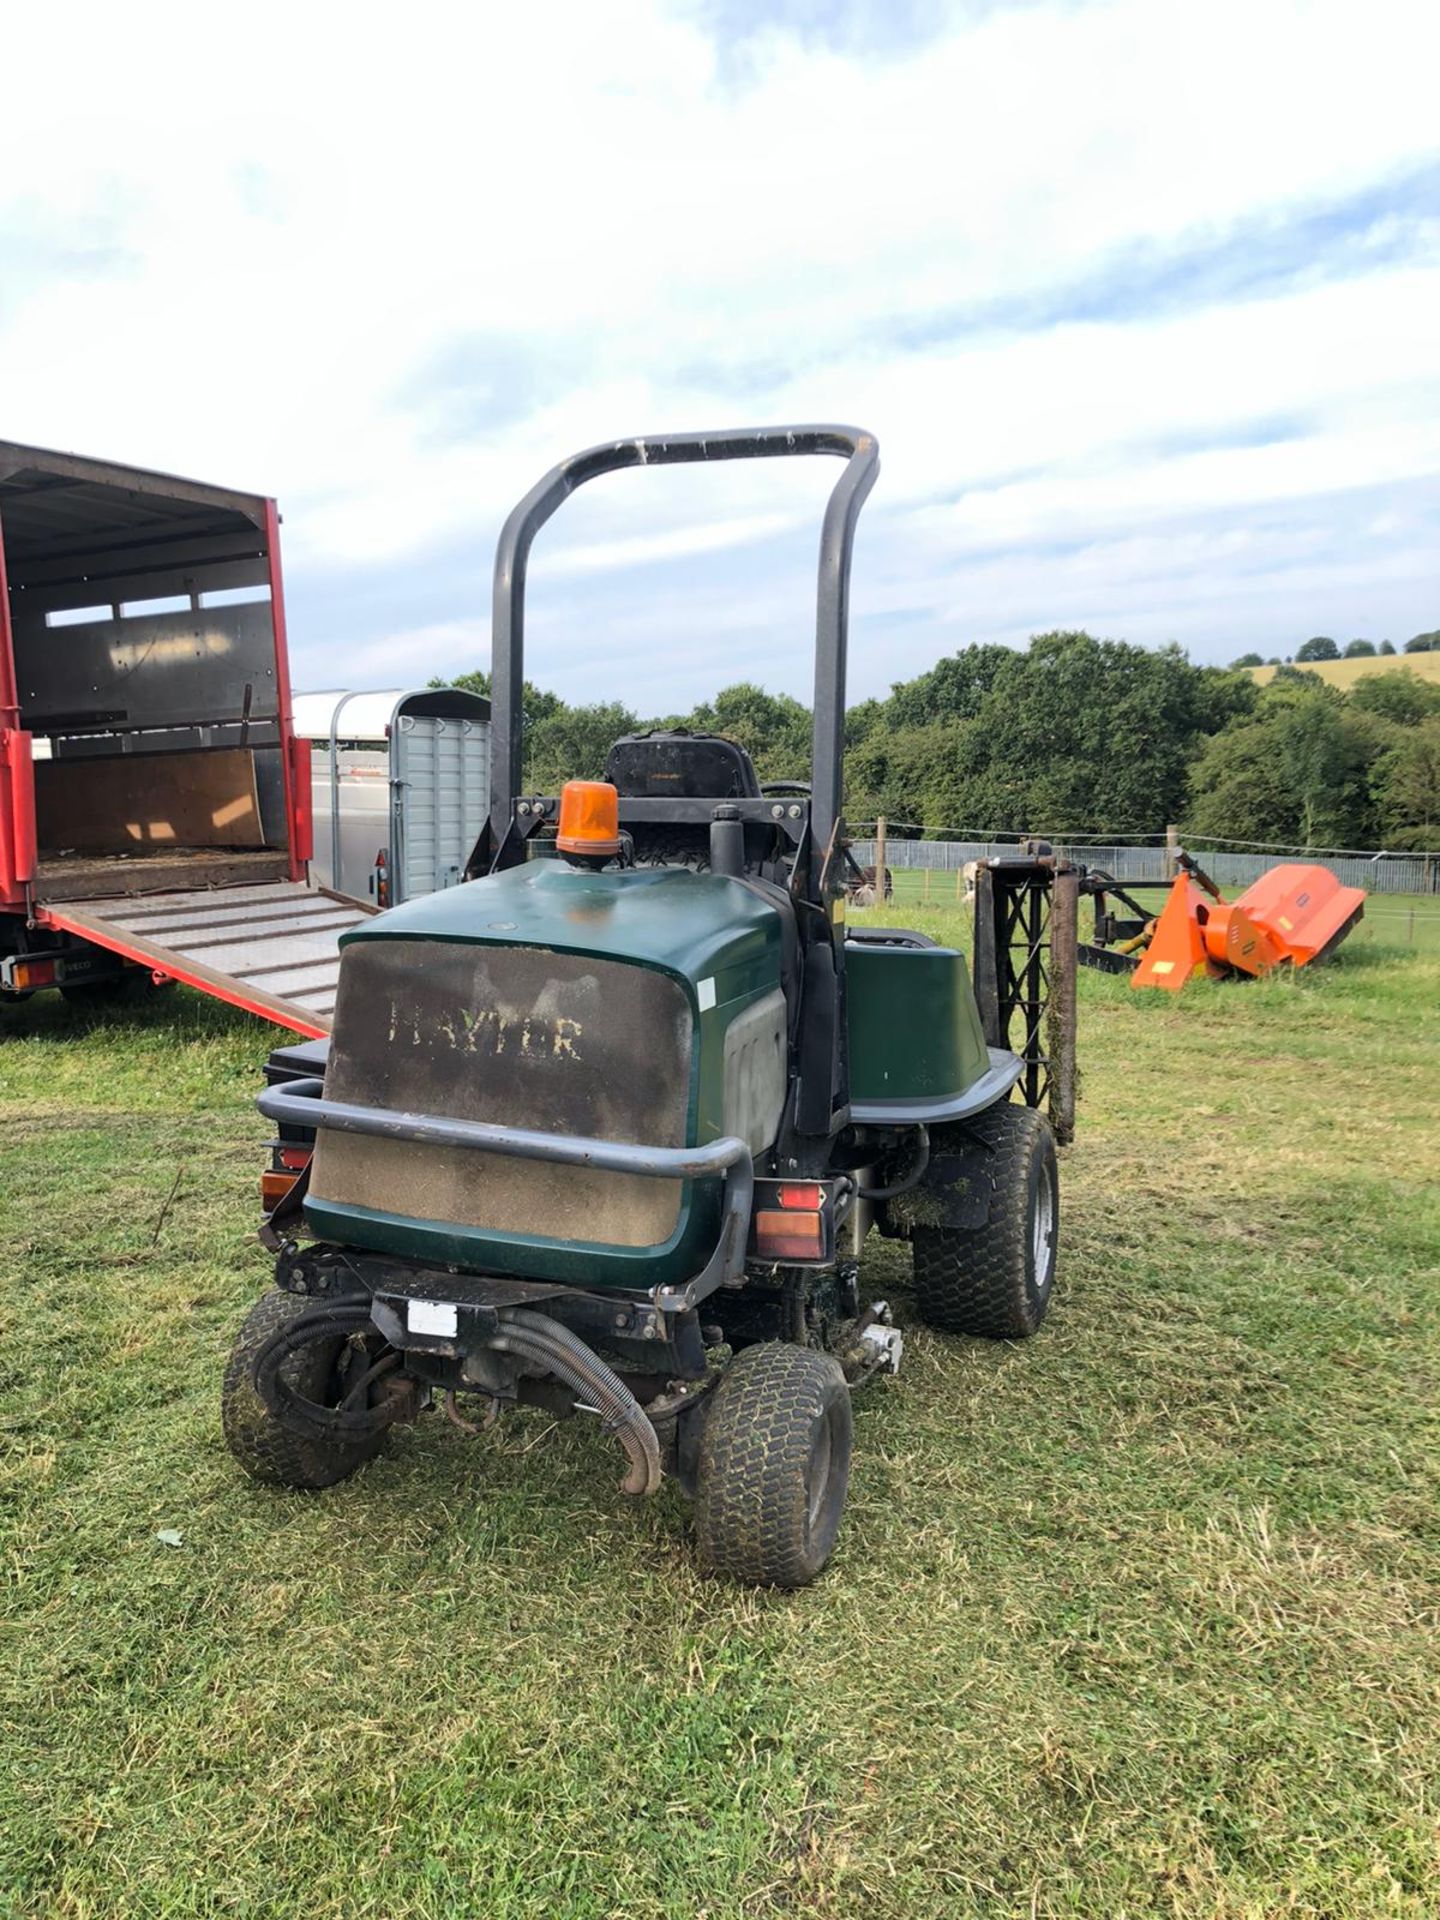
[301,1103]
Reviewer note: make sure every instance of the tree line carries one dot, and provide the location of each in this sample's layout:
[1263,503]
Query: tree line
[1322,647]
[1078,735]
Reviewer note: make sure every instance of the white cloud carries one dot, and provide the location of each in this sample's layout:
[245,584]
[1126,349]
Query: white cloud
[615,555]
[418,654]
[307,215]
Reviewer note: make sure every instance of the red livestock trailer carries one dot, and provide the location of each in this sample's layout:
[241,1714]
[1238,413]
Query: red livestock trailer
[154,800]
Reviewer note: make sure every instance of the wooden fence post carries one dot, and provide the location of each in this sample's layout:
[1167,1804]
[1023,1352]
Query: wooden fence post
[879,889]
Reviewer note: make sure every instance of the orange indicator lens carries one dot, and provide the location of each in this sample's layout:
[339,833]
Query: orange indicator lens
[273,1188]
[789,1236]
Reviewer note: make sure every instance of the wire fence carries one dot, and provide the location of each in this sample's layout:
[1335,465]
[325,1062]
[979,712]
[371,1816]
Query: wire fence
[1377,872]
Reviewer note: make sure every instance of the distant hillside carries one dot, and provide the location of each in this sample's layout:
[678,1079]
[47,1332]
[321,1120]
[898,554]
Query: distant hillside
[1344,673]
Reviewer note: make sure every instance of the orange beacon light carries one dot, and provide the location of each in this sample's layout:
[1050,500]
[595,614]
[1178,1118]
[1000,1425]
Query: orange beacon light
[589,818]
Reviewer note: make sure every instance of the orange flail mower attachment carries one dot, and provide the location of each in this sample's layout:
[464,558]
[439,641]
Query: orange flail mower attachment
[1291,915]
[1306,908]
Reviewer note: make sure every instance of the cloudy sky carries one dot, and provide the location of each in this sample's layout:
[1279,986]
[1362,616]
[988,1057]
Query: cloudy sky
[1141,297]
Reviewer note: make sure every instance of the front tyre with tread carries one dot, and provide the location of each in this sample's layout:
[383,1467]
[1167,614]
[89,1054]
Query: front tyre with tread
[774,1465]
[997,1280]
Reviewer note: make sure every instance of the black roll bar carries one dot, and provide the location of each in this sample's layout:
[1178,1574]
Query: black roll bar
[861,453]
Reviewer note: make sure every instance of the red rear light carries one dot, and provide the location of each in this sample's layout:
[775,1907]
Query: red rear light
[26,974]
[789,1235]
[287,1166]
[800,1193]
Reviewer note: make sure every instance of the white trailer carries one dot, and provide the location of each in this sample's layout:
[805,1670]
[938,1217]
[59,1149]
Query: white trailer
[400,787]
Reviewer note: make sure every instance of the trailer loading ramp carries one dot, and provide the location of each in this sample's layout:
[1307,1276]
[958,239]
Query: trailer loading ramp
[272,949]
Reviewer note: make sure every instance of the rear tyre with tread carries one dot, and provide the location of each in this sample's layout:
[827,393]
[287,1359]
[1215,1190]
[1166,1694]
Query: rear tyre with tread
[997,1280]
[266,1448]
[774,1465]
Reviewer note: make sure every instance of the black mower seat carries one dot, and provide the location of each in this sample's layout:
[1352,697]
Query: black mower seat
[672,762]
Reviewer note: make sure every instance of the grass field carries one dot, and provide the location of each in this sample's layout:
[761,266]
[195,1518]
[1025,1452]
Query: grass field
[1344,673]
[1141,1618]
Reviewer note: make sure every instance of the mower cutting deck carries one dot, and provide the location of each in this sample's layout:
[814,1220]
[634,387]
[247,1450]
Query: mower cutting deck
[606,1131]
[1291,916]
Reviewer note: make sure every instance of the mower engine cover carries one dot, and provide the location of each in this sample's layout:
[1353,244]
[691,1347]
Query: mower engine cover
[640,1006]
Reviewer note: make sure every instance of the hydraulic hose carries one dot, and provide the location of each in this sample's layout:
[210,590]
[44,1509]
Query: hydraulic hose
[529,1336]
[535,1337]
[912,1178]
[336,1319]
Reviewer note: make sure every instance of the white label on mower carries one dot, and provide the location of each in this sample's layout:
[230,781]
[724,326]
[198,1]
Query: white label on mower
[437,1317]
[705,994]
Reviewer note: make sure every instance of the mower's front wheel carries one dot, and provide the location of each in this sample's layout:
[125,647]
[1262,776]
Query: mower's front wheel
[774,1465]
[265,1446]
[996,1280]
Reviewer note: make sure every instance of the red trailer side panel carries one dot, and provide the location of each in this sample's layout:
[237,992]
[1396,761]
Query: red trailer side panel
[17,791]
[9,688]
[17,801]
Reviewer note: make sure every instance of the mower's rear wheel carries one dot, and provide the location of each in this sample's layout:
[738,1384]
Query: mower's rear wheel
[266,1448]
[997,1280]
[774,1465]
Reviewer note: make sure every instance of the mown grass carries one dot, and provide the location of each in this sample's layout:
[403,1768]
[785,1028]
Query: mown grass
[1139,1618]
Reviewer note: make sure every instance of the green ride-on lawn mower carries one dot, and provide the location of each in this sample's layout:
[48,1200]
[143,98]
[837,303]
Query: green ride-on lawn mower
[605,1131]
